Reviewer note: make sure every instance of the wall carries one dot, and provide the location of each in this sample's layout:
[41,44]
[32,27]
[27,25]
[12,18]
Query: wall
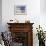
[34,14]
[43,14]
[0,15]
[33,11]
[43,6]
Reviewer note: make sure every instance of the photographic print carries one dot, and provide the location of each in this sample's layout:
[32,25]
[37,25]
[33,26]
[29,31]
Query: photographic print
[20,10]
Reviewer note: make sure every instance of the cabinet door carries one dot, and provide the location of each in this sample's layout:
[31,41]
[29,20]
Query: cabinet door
[20,37]
[24,38]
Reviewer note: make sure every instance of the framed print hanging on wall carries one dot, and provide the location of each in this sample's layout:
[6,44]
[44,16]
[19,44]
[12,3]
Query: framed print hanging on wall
[20,10]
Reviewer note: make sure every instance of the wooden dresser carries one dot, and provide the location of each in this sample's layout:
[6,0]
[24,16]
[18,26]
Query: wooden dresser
[22,33]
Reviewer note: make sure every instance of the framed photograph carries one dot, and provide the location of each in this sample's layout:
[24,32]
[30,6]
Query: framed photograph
[20,10]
